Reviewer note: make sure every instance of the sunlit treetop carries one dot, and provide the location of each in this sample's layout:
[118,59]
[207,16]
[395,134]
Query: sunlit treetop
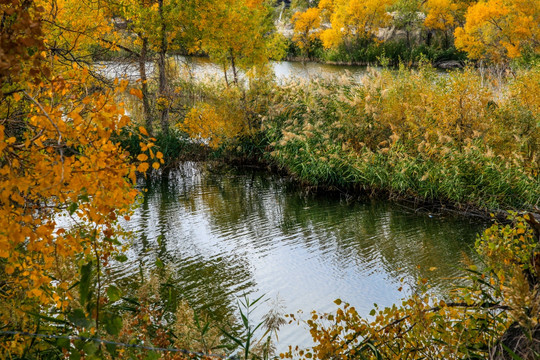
[498,30]
[354,19]
[306,27]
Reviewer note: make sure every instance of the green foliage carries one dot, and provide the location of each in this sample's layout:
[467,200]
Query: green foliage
[397,51]
[174,146]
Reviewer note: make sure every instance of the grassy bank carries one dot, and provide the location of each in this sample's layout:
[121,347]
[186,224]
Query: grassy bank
[462,138]
[452,138]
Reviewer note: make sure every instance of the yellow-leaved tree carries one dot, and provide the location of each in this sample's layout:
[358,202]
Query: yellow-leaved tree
[64,183]
[239,34]
[306,28]
[354,20]
[442,16]
[500,30]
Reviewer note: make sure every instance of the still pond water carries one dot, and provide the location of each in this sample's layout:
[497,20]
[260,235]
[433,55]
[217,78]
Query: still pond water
[224,235]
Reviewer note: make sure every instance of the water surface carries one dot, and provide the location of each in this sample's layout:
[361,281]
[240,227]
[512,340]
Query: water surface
[224,235]
[199,68]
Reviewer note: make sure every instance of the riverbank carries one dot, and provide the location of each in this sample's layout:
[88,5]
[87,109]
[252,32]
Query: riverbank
[438,64]
[460,141]
[448,59]
[373,53]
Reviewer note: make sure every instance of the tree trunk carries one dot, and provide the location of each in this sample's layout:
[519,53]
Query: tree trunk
[234,69]
[429,37]
[145,94]
[163,94]
[225,73]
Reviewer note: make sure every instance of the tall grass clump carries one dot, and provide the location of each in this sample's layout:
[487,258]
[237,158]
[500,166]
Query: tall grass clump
[455,137]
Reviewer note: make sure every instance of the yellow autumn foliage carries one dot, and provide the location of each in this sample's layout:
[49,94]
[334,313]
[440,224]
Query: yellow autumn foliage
[212,125]
[468,323]
[498,30]
[306,27]
[441,14]
[354,19]
[64,179]
[493,30]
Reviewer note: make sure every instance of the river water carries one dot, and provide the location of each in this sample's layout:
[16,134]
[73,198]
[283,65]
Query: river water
[199,68]
[242,232]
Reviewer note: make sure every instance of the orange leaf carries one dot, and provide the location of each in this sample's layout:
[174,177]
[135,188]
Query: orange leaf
[143,167]
[143,131]
[136,92]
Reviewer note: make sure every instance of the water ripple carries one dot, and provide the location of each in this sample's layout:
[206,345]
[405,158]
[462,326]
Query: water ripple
[246,233]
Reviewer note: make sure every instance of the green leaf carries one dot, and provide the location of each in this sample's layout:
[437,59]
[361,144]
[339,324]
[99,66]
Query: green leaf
[512,354]
[114,293]
[256,300]
[131,300]
[44,317]
[111,348]
[90,348]
[159,263]
[113,324]
[84,284]
[237,341]
[205,328]
[63,343]
[72,208]
[121,258]
[75,354]
[160,239]
[375,351]
[244,319]
[78,318]
[74,285]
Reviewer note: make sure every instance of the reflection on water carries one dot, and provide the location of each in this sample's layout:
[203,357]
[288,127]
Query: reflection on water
[243,232]
[199,68]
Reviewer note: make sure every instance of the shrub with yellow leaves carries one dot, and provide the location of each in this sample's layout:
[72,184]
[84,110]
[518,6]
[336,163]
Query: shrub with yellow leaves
[495,317]
[222,116]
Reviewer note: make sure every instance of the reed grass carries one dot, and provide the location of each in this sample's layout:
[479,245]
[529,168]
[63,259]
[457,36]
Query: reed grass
[461,138]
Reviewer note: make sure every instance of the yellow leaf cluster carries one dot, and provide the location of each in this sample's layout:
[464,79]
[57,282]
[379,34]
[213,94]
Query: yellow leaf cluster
[353,19]
[441,14]
[306,27]
[212,125]
[236,33]
[64,181]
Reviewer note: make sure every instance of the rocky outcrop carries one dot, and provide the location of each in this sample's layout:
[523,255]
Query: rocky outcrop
[449,64]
